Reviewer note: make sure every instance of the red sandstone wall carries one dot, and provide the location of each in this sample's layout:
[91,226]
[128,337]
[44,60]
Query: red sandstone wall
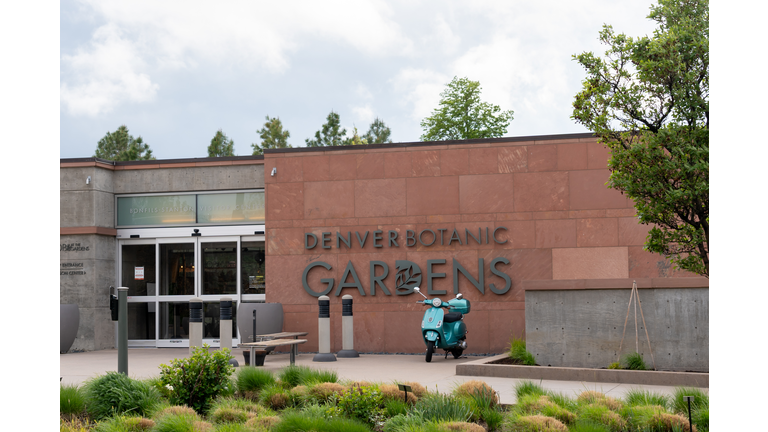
[563,224]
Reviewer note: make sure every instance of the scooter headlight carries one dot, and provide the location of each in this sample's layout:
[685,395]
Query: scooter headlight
[436,302]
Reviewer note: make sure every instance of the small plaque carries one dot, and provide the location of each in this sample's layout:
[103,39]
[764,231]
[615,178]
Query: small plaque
[405,388]
[688,398]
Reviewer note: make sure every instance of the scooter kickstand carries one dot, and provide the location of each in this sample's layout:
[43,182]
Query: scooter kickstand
[446,354]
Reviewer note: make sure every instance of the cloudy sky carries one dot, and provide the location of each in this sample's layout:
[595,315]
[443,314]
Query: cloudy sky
[174,72]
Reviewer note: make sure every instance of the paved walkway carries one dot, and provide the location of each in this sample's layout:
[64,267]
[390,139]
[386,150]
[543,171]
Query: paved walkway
[440,373]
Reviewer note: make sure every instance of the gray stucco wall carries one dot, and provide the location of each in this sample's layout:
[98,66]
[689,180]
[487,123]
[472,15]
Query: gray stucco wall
[189,179]
[84,204]
[583,328]
[87,270]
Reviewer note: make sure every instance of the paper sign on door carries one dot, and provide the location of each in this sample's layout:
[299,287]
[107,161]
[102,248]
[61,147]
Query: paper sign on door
[139,273]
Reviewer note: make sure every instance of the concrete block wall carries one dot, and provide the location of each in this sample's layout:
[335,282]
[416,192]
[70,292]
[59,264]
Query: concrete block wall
[583,327]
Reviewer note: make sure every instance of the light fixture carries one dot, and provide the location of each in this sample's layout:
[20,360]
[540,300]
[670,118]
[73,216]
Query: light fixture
[88,180]
[274,171]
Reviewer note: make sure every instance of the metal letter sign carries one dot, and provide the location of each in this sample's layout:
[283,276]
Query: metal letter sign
[408,274]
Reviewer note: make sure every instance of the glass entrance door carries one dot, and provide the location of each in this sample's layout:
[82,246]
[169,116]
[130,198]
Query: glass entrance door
[163,275]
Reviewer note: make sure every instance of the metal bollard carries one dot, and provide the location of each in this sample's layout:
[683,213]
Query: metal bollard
[195,323]
[122,330]
[324,331]
[225,326]
[347,329]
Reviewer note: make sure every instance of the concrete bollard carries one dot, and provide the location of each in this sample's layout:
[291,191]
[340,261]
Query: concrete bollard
[122,330]
[324,331]
[347,329]
[225,327]
[195,323]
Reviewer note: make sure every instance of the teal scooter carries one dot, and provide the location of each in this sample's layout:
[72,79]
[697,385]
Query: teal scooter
[444,330]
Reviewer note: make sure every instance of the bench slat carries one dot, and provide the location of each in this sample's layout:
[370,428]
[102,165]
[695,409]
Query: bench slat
[271,343]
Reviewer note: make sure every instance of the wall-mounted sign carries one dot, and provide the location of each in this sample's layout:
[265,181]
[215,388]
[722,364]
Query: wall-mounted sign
[138,273]
[408,273]
[71,269]
[191,209]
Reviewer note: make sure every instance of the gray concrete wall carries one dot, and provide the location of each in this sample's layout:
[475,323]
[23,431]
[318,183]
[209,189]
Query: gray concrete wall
[84,205]
[87,269]
[583,328]
[189,179]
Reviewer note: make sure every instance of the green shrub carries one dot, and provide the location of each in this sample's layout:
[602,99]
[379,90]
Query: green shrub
[294,375]
[588,426]
[535,423]
[492,417]
[74,425]
[299,421]
[362,403]
[700,419]
[395,407]
[639,396]
[228,415]
[534,404]
[71,401]
[519,353]
[679,405]
[526,387]
[276,397]
[562,401]
[196,380]
[439,407]
[404,422]
[115,393]
[638,417]
[233,427]
[614,365]
[601,414]
[634,361]
[244,405]
[182,423]
[125,424]
[252,379]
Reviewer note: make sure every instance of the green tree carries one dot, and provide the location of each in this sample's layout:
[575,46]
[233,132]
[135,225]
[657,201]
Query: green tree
[378,133]
[461,115]
[121,146]
[272,136]
[221,145]
[648,101]
[355,139]
[331,133]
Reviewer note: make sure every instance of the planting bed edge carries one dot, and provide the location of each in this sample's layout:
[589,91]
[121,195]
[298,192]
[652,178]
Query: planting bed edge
[662,378]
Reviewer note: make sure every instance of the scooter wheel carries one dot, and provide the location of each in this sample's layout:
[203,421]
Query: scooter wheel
[457,353]
[430,350]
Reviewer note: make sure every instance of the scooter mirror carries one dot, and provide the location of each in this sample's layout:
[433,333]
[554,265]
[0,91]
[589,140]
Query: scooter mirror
[416,289]
[459,296]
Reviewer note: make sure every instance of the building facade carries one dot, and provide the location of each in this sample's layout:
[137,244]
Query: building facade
[486,218]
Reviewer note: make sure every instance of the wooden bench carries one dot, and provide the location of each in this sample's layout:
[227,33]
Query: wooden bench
[262,345]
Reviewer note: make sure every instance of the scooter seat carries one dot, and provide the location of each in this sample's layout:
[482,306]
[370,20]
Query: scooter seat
[452,317]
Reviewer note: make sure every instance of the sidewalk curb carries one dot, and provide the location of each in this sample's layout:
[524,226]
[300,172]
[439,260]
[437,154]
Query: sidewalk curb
[662,378]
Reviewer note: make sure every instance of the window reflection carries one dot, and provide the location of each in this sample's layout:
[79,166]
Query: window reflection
[219,261]
[139,269]
[252,267]
[177,269]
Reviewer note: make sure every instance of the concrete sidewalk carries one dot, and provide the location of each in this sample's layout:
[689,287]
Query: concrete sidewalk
[440,374]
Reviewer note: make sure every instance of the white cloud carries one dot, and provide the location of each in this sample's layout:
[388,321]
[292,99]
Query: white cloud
[151,36]
[363,114]
[421,88]
[105,75]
